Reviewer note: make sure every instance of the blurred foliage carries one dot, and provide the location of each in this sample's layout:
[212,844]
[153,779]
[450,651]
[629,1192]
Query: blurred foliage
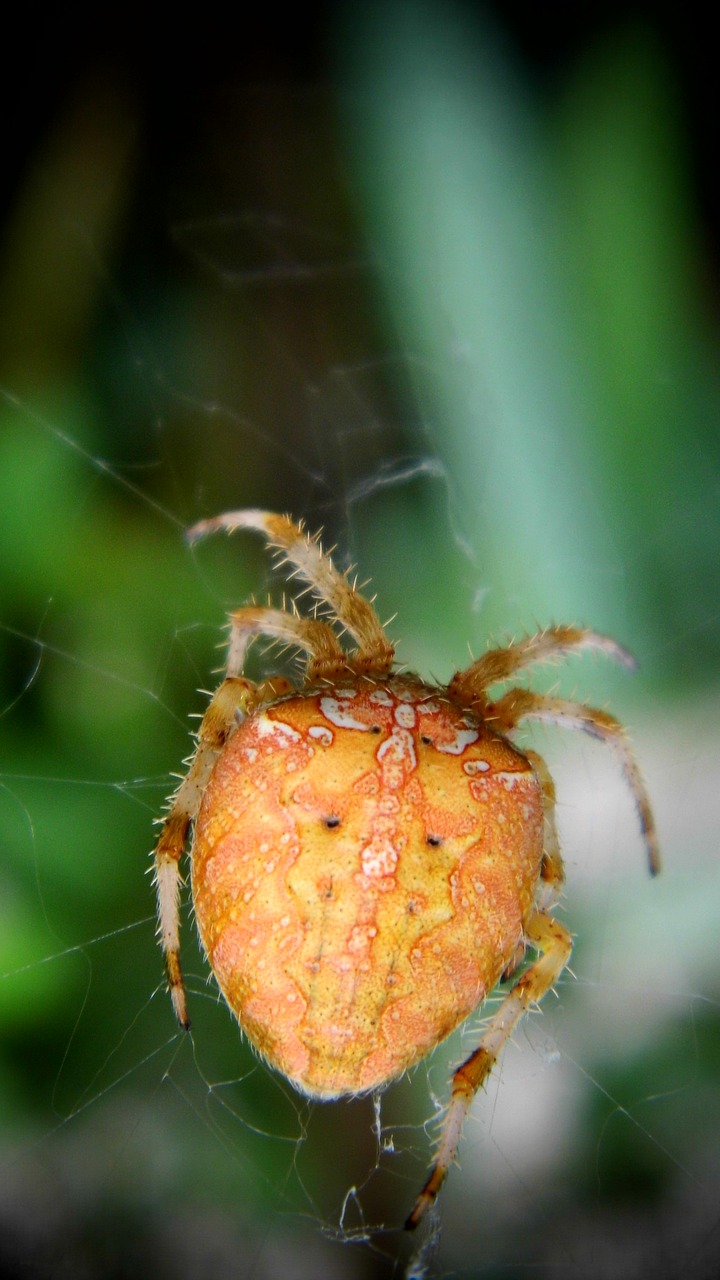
[468,329]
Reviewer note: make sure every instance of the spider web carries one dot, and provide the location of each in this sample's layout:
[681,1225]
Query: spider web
[383,308]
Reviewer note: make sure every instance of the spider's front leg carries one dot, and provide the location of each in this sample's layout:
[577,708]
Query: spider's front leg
[554,643]
[325,658]
[234,696]
[546,936]
[522,704]
[470,686]
[374,654]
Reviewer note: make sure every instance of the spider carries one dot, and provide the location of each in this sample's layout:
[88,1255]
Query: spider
[372,854]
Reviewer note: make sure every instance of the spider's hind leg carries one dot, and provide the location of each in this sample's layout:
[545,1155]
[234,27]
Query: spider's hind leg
[553,943]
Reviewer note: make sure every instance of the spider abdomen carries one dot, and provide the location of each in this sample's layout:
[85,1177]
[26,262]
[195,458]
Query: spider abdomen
[365,858]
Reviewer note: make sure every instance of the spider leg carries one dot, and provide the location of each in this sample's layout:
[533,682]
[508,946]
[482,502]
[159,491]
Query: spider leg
[234,696]
[552,871]
[521,704]
[326,659]
[553,943]
[375,653]
[555,642]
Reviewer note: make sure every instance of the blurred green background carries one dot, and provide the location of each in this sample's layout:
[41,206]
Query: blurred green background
[403,273]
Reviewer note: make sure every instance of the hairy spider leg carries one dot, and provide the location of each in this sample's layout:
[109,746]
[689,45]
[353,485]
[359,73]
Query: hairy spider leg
[552,871]
[326,659]
[355,614]
[554,944]
[521,704]
[233,697]
[547,646]
[470,686]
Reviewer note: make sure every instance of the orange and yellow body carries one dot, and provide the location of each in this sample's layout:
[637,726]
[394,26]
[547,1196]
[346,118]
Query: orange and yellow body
[364,862]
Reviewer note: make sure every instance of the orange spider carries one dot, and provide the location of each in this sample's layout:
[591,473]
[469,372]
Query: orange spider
[371,853]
